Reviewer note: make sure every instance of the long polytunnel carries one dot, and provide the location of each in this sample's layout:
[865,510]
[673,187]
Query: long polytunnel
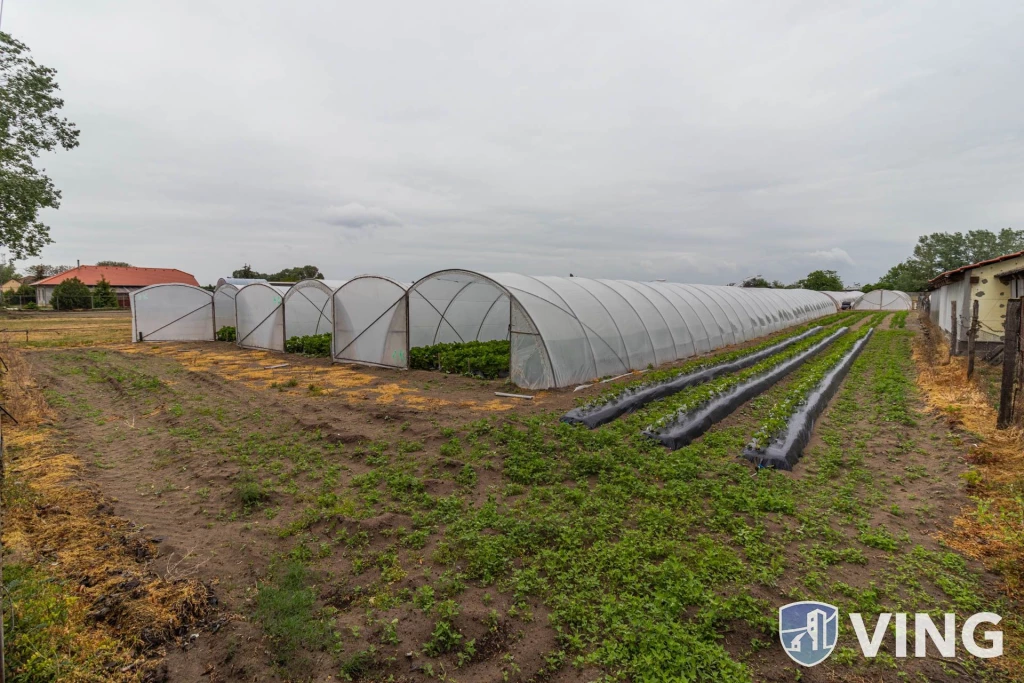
[565,331]
[884,300]
[307,307]
[370,322]
[172,312]
[259,316]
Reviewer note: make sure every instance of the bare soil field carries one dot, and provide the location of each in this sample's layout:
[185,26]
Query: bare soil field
[209,517]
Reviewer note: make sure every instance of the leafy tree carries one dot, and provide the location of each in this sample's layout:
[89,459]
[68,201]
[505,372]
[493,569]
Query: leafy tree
[72,293]
[286,275]
[756,281]
[8,272]
[941,251]
[41,270]
[246,271]
[822,281]
[30,124]
[104,296]
[114,264]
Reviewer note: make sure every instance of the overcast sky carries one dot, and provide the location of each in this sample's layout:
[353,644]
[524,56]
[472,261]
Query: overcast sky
[696,141]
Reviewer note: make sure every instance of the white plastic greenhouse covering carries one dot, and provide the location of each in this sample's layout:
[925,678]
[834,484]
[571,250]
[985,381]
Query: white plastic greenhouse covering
[307,307]
[370,322]
[239,282]
[841,297]
[259,316]
[884,300]
[566,331]
[172,312]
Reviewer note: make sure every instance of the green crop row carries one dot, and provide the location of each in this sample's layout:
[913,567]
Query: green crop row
[310,345]
[689,400]
[697,364]
[899,319]
[487,359]
[807,379]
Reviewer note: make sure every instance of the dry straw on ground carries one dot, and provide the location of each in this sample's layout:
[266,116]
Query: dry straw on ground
[54,522]
[994,531]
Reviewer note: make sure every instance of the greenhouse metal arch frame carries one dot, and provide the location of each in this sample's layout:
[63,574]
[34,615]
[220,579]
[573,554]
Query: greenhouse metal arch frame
[571,330]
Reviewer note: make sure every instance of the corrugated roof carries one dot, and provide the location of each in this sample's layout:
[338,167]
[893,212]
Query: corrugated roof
[944,277]
[121,276]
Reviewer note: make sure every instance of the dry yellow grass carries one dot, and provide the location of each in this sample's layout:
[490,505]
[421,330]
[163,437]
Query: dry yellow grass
[250,367]
[48,330]
[124,599]
[992,531]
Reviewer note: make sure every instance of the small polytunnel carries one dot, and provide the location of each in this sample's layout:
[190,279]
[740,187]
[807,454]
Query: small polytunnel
[172,312]
[566,331]
[370,322]
[259,316]
[224,299]
[307,307]
[844,297]
[884,300]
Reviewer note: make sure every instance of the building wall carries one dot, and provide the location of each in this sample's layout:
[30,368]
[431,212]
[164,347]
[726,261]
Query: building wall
[940,300]
[992,294]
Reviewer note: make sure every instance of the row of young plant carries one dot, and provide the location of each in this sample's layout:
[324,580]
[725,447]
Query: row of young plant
[669,409]
[807,379]
[310,345]
[655,377]
[489,359]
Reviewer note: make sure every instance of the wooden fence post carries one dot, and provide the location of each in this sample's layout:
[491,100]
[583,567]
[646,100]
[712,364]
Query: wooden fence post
[952,324]
[1011,341]
[972,334]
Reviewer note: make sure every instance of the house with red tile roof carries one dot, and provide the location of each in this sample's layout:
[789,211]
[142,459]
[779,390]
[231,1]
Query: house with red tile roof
[123,279]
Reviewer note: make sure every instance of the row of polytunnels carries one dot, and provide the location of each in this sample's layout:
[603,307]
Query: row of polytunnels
[559,331]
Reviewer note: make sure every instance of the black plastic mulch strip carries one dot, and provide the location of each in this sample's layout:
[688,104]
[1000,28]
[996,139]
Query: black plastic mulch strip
[785,450]
[632,400]
[688,426]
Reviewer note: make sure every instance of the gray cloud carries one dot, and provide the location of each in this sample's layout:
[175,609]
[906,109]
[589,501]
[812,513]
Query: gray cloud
[691,142]
[355,215]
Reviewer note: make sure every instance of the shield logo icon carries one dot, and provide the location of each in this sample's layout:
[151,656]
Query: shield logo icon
[808,631]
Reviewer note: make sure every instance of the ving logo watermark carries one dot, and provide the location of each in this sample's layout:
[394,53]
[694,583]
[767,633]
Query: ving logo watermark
[809,631]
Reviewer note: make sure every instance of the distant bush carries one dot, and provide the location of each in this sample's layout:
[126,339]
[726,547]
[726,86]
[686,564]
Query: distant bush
[310,345]
[226,333]
[488,359]
[70,294]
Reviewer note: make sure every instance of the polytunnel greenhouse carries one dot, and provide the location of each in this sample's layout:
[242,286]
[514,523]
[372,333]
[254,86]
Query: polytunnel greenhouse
[172,312]
[844,297]
[884,300]
[259,316]
[565,331]
[307,307]
[224,299]
[370,322]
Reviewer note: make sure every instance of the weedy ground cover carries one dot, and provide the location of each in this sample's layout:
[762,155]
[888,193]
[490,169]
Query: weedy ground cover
[516,547]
